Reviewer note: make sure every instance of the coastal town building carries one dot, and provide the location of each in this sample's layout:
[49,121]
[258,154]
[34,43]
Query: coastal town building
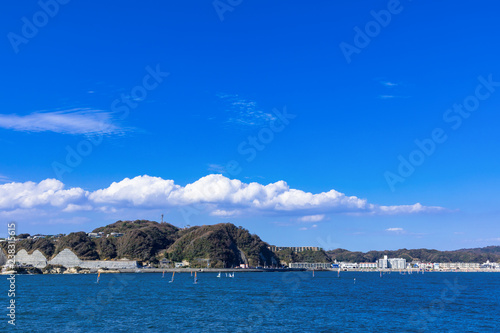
[184,263]
[165,263]
[294,248]
[458,265]
[368,265]
[393,263]
[348,265]
[424,265]
[490,265]
[308,265]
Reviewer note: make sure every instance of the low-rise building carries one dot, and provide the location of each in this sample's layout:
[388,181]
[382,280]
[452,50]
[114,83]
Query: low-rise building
[425,265]
[165,263]
[490,265]
[348,265]
[309,265]
[38,236]
[184,263]
[369,265]
[459,265]
[294,248]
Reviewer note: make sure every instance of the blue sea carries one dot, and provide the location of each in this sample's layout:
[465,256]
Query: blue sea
[255,302]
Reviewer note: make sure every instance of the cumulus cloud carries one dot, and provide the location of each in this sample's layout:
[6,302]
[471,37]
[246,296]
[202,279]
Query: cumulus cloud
[49,192]
[215,194]
[74,121]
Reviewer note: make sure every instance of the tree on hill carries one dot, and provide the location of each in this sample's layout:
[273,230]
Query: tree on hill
[80,244]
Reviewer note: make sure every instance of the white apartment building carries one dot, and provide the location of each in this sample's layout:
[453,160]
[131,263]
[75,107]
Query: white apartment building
[393,263]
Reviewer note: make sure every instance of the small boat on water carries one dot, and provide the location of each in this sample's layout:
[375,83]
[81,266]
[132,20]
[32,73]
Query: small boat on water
[173,274]
[195,278]
[218,275]
[163,274]
[98,276]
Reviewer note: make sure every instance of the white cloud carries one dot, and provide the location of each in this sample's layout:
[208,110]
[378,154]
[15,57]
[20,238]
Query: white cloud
[312,218]
[75,121]
[215,194]
[48,192]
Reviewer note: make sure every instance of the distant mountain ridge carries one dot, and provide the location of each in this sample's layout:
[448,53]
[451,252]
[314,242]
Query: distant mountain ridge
[491,253]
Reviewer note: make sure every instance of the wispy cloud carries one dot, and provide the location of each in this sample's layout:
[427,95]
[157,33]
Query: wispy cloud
[391,96]
[73,121]
[216,168]
[396,230]
[389,83]
[244,112]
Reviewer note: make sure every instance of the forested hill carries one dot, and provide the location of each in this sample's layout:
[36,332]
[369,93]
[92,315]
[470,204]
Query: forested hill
[224,244]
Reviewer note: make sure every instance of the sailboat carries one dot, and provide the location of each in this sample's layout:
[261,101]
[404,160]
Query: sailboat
[232,276]
[98,276]
[195,278]
[380,273]
[338,273]
[173,274]
[218,275]
[313,272]
[163,275]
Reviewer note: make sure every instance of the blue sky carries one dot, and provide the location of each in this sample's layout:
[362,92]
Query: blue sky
[291,120]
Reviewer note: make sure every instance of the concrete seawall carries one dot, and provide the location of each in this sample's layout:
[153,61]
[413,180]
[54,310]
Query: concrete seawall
[68,259]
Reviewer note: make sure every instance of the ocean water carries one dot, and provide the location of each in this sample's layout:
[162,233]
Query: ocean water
[256,302]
